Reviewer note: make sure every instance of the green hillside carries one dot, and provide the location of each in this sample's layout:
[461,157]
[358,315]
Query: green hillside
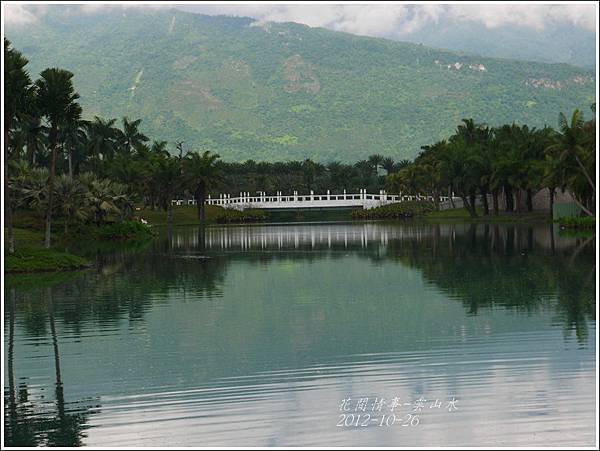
[287,91]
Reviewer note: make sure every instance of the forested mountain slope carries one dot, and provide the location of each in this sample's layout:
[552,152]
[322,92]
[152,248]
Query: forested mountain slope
[286,91]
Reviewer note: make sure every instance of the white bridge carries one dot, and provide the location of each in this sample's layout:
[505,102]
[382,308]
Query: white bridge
[295,201]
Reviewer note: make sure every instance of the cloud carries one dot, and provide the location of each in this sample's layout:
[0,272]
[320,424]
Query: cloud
[21,14]
[382,20]
[402,19]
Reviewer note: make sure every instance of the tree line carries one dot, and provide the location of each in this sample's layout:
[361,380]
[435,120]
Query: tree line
[511,161]
[62,165]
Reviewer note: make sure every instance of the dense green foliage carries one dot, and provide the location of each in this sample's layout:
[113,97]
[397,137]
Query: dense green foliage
[234,216]
[31,259]
[124,230]
[286,91]
[402,210]
[510,161]
[577,222]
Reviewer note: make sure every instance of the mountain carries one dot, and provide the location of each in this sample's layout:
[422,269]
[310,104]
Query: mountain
[560,43]
[277,91]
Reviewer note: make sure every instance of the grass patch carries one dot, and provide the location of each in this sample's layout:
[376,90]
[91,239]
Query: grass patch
[188,215]
[182,215]
[30,259]
[462,215]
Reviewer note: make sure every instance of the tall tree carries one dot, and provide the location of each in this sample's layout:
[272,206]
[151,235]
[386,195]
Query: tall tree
[572,145]
[16,91]
[56,100]
[201,172]
[131,135]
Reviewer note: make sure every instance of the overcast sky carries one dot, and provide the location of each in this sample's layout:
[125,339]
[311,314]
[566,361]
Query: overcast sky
[383,20]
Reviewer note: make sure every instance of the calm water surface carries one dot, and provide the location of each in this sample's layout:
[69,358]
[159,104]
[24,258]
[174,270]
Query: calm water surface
[281,334]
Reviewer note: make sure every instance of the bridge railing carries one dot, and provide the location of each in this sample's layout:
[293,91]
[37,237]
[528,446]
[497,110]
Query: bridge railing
[262,201]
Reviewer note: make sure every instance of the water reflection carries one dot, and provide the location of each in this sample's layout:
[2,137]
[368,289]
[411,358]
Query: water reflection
[211,331]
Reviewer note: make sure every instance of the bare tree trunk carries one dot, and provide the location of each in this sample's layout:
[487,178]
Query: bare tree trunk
[529,200]
[51,185]
[585,173]
[7,203]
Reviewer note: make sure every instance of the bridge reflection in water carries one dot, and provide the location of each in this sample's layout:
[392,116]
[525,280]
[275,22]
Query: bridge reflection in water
[338,236]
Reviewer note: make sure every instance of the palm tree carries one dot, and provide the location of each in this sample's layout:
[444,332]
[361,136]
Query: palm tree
[131,136]
[57,101]
[71,197]
[103,196]
[102,137]
[74,140]
[201,172]
[572,148]
[16,88]
[34,136]
[389,165]
[167,177]
[375,161]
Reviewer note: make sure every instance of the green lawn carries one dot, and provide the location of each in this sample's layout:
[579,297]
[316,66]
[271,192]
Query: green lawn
[31,256]
[461,215]
[182,215]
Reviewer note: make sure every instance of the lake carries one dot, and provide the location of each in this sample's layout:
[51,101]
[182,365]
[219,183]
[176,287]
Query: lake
[310,334]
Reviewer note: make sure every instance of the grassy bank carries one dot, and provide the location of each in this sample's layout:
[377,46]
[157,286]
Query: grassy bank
[426,211]
[31,256]
[462,215]
[188,215]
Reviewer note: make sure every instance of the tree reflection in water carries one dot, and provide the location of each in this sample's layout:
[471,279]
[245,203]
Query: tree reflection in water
[482,266]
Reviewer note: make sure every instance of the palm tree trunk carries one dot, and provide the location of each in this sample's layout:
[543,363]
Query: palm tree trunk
[70,156]
[551,201]
[169,214]
[51,185]
[9,216]
[484,200]
[508,199]
[495,201]
[518,194]
[200,196]
[472,198]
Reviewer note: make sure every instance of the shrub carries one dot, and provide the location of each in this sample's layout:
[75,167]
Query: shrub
[238,217]
[124,230]
[402,210]
[577,222]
